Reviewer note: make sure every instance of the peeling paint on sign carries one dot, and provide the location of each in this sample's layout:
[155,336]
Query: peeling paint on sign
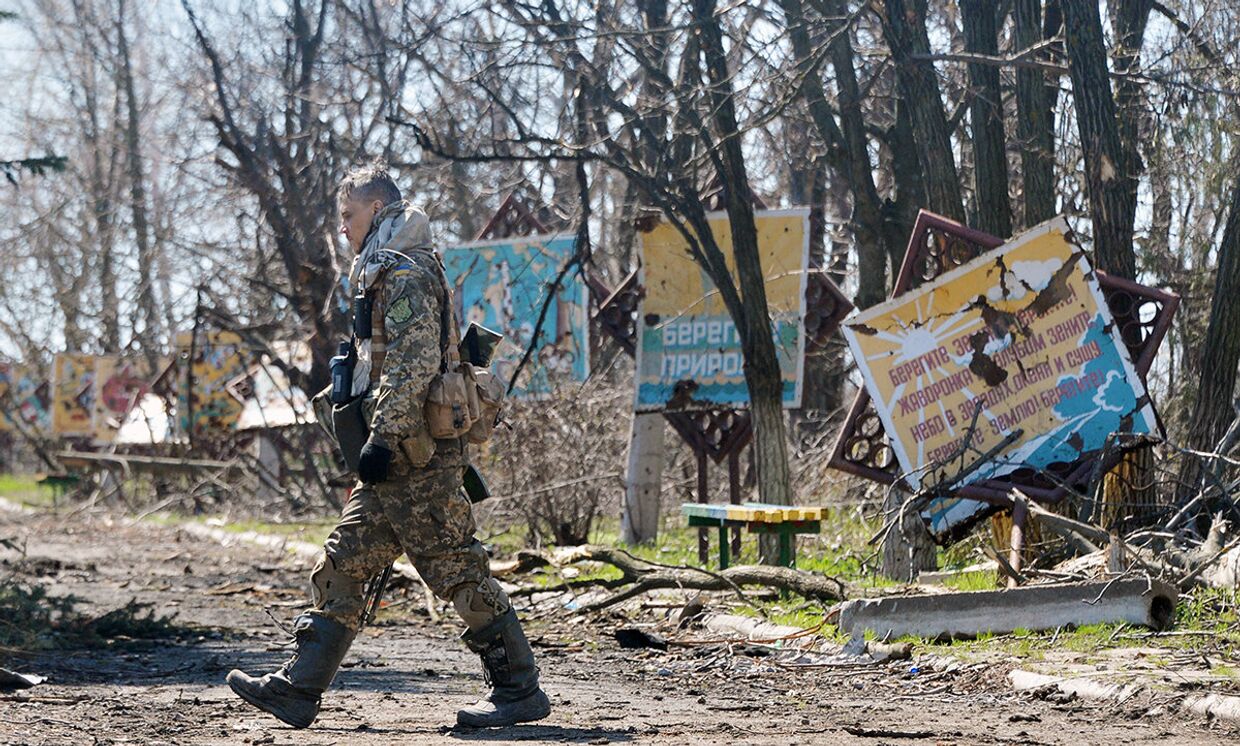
[1022,336]
[202,391]
[503,285]
[73,395]
[688,349]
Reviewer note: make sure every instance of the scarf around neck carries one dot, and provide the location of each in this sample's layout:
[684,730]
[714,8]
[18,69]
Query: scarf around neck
[397,228]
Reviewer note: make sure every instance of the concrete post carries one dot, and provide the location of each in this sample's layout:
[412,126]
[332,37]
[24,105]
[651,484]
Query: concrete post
[639,514]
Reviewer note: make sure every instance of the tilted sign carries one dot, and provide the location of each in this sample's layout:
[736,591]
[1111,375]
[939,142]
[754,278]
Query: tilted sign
[503,285]
[203,399]
[688,352]
[73,395]
[1020,335]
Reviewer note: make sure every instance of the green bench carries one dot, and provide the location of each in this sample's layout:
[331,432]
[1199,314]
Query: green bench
[786,521]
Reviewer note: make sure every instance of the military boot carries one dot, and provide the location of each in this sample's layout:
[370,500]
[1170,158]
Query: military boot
[508,667]
[292,693]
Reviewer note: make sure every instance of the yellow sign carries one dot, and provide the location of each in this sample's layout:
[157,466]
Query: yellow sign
[688,352]
[73,395]
[1021,336]
[203,401]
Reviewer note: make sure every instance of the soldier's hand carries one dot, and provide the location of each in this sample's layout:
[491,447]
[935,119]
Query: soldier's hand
[372,467]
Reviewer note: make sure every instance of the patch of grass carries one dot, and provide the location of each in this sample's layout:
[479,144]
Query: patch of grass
[25,489]
[841,550]
[980,580]
[804,615]
[1208,609]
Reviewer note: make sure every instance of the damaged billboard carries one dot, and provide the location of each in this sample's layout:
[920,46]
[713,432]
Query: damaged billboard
[1013,356]
[503,285]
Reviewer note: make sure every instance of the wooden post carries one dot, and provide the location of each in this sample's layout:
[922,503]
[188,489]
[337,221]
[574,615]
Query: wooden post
[734,495]
[703,541]
[1020,513]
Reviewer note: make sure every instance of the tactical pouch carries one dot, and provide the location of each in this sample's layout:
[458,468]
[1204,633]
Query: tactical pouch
[490,390]
[464,399]
[351,429]
[452,404]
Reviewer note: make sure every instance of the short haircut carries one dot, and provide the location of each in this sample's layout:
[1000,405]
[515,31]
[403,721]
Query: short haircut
[370,182]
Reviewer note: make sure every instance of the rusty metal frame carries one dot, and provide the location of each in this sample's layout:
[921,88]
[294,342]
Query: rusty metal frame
[938,245]
[511,219]
[826,307]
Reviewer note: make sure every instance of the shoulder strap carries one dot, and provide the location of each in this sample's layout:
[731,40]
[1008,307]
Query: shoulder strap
[449,313]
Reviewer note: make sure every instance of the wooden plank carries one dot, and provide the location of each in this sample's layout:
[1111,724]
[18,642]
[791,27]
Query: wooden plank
[85,458]
[796,527]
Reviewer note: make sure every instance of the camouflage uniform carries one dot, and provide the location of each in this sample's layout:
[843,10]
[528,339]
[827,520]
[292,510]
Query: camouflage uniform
[419,509]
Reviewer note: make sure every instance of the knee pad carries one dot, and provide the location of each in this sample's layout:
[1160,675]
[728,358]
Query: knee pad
[329,584]
[479,604]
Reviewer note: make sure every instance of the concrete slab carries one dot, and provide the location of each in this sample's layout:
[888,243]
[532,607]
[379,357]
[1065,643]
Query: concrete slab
[965,615]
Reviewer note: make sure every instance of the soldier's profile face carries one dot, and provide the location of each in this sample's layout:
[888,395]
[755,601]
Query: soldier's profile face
[355,217]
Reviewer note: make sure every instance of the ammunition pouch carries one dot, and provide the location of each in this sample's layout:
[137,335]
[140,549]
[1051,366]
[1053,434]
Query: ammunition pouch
[464,403]
[351,430]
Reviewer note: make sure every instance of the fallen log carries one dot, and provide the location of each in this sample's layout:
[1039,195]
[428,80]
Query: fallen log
[649,576]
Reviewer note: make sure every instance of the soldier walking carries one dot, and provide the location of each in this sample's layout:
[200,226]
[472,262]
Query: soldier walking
[408,498]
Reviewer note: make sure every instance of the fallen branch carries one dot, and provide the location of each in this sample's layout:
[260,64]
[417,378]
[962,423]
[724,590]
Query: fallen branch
[1083,537]
[648,576]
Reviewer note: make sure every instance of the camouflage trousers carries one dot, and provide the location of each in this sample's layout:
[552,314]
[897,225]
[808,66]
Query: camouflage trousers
[419,512]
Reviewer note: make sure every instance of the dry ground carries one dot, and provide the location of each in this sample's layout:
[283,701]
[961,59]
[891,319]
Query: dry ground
[406,675]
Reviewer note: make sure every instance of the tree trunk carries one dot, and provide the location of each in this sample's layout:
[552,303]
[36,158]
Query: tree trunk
[908,547]
[1035,121]
[990,180]
[1112,165]
[910,188]
[847,151]
[1129,19]
[149,336]
[639,516]
[1108,174]
[904,27]
[762,374]
[1213,409]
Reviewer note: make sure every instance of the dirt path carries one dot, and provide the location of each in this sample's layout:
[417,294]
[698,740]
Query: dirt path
[406,676]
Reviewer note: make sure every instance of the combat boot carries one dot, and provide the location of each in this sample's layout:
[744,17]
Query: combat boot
[508,667]
[292,693]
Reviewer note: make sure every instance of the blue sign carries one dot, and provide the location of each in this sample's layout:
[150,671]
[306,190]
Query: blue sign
[503,285]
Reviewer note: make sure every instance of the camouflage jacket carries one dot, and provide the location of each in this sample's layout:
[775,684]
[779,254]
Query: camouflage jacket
[402,277]
[407,343]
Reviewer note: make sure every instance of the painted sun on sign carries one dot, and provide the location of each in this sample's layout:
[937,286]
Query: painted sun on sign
[1018,344]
